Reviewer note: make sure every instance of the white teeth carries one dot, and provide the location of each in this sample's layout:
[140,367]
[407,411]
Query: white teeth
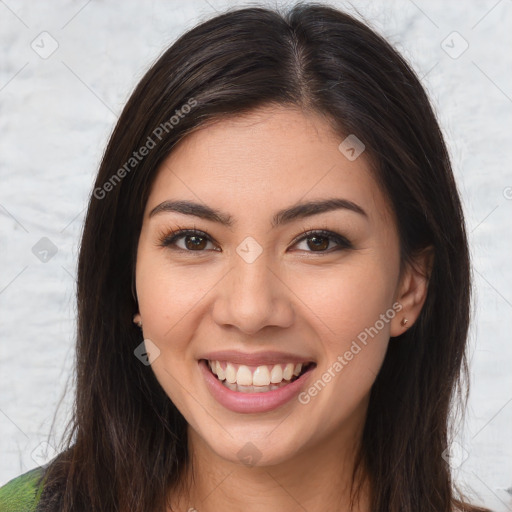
[260,389]
[230,386]
[276,375]
[219,371]
[230,373]
[262,378]
[288,371]
[244,376]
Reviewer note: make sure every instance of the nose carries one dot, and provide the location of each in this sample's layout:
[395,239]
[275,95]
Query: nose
[254,296]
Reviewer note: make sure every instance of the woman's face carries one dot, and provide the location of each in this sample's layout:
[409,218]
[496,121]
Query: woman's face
[256,295]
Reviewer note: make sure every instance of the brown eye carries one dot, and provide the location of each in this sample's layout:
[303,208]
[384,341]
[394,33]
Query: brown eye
[194,242]
[189,240]
[320,243]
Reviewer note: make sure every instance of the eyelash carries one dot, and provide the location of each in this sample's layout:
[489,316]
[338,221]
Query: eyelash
[167,239]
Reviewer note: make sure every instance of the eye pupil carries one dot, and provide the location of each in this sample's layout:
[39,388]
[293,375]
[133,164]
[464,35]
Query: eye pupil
[197,242]
[321,242]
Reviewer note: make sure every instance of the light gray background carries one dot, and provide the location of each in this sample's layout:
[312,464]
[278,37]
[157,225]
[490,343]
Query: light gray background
[56,114]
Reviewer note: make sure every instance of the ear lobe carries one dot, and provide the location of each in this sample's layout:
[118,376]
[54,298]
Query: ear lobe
[137,319]
[412,290]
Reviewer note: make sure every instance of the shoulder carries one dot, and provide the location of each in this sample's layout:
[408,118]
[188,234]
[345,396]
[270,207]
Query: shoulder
[21,494]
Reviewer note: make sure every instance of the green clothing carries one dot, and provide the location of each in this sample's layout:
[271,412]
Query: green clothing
[22,494]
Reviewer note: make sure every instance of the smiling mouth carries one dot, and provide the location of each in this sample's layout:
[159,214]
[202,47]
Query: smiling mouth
[256,379]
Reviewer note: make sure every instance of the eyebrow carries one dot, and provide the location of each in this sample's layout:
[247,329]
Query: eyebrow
[285,216]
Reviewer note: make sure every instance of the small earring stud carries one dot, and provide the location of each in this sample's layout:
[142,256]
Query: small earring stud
[403,322]
[139,323]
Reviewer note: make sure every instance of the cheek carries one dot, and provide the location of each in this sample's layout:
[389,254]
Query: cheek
[348,311]
[169,298]
[351,309]
[350,298]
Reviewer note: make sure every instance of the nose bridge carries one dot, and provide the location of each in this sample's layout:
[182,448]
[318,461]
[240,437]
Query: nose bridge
[252,279]
[254,296]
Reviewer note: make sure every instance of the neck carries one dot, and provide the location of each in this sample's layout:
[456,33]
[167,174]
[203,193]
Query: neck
[316,479]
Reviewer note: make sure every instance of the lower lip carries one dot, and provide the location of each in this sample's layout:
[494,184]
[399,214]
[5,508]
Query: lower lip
[251,402]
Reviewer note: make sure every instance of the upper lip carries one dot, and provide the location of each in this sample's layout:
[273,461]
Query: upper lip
[256,358]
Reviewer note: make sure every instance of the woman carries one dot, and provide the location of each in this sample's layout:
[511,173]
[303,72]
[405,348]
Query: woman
[273,283]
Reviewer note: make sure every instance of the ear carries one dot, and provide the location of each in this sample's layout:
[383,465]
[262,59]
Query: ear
[137,319]
[412,290]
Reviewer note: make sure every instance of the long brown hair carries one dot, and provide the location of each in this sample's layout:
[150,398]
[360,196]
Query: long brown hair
[126,445]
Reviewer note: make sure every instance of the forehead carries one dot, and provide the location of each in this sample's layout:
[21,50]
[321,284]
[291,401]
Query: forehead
[271,157]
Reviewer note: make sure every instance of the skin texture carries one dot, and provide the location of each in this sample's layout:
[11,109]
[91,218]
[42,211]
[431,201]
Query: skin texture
[292,298]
